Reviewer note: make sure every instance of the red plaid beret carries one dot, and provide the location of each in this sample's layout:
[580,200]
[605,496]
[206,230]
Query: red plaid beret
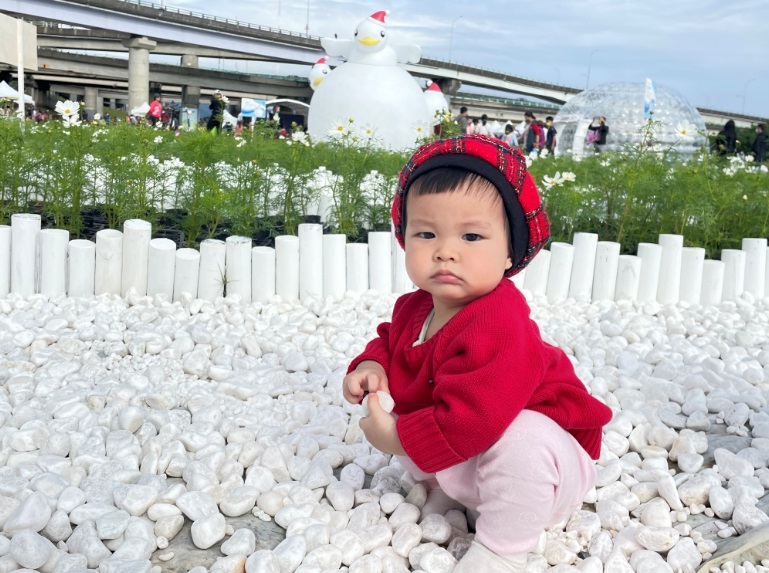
[504,167]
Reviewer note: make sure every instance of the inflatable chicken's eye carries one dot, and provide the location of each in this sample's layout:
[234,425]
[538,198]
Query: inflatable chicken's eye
[382,33]
[356,33]
[325,72]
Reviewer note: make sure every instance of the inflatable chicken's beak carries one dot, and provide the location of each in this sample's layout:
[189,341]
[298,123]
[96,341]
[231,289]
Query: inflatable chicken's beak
[369,41]
[316,81]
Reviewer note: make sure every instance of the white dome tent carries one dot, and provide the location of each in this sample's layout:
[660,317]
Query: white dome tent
[623,105]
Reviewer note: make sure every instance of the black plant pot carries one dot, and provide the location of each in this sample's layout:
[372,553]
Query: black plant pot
[175,235]
[263,238]
[311,219]
[92,224]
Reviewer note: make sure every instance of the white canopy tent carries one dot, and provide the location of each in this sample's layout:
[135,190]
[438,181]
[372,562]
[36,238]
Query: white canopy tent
[7,92]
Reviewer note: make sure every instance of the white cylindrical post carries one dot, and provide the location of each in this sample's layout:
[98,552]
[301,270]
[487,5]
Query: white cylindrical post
[755,266]
[53,261]
[581,283]
[651,257]
[334,273]
[734,273]
[108,276]
[136,252]
[519,279]
[605,273]
[669,285]
[161,267]
[712,282]
[561,259]
[262,274]
[238,267]
[628,277]
[536,273]
[357,267]
[380,261]
[310,261]
[401,280]
[212,269]
[186,273]
[692,261]
[287,266]
[5,260]
[25,229]
[82,267]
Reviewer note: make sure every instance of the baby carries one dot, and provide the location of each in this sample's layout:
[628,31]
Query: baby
[486,414]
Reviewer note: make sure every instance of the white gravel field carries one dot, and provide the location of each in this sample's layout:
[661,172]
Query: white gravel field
[123,424]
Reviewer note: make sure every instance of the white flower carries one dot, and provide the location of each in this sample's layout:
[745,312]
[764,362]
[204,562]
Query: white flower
[67,108]
[553,181]
[158,139]
[241,143]
[367,131]
[339,129]
[70,121]
[749,159]
[729,171]
[421,129]
[605,163]
[764,169]
[544,153]
[569,176]
[301,138]
[686,130]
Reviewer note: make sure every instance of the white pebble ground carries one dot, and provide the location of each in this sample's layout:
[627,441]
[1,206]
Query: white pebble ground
[120,423]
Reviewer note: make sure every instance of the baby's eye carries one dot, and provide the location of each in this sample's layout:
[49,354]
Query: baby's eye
[426,235]
[472,237]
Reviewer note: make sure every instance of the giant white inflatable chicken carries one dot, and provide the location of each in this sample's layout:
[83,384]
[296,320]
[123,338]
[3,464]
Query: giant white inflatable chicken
[370,88]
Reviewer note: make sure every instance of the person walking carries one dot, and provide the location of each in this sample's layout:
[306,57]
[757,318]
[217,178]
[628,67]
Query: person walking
[550,138]
[759,144]
[156,110]
[601,128]
[217,112]
[533,136]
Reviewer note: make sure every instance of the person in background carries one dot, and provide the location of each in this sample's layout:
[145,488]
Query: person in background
[550,138]
[462,120]
[510,138]
[759,144]
[601,128]
[534,136]
[484,127]
[726,140]
[217,112]
[156,110]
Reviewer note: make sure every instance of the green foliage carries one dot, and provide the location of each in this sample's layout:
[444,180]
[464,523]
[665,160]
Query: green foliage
[210,185]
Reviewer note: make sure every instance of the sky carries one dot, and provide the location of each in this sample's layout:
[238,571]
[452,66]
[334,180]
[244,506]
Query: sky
[715,53]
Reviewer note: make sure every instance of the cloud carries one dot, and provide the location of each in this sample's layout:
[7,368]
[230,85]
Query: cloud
[705,49]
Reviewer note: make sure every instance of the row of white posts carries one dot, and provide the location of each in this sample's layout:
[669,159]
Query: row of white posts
[317,265]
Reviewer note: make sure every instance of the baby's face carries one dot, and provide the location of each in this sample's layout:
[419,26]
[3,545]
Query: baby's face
[456,245]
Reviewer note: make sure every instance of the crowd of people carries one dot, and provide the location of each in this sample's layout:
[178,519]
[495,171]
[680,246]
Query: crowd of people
[531,134]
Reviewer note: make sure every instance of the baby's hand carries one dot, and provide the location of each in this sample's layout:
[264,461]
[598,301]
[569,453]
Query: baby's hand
[369,376]
[380,429]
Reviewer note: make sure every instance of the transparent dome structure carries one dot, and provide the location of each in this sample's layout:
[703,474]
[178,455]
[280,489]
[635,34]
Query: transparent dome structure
[623,105]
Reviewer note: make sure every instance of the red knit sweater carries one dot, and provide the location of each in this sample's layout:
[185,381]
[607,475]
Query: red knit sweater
[459,391]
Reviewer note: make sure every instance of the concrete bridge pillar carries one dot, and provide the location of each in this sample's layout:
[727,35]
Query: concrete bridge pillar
[449,86]
[138,70]
[91,102]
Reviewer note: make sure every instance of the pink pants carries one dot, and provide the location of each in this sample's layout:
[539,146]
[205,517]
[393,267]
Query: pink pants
[533,477]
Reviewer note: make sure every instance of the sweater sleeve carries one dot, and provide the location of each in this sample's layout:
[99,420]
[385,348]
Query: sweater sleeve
[484,377]
[379,348]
